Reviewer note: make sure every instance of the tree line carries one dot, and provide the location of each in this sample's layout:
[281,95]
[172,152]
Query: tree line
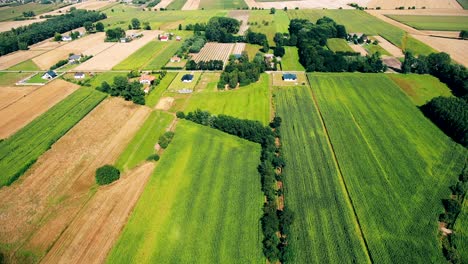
[192,45]
[22,37]
[221,29]
[211,65]
[273,221]
[241,71]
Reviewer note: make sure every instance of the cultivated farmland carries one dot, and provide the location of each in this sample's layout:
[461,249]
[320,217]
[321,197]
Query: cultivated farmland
[208,197]
[326,228]
[214,51]
[398,160]
[37,210]
[153,98]
[222,4]
[449,23]
[19,113]
[22,149]
[238,48]
[337,44]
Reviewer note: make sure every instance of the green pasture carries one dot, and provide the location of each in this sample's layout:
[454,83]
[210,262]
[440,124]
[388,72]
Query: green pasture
[201,205]
[325,229]
[10,78]
[22,149]
[269,24]
[222,4]
[178,84]
[290,60]
[108,77]
[142,56]
[160,59]
[443,23]
[37,78]
[338,44]
[13,11]
[248,102]
[461,233]
[420,88]
[28,65]
[142,145]
[153,98]
[176,4]
[396,164]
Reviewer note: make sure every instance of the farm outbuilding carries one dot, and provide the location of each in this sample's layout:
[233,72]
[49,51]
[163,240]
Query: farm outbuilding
[66,38]
[187,78]
[49,75]
[147,79]
[289,77]
[80,75]
[74,58]
[175,59]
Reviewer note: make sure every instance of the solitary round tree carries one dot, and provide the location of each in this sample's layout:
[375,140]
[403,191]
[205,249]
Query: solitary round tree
[107,174]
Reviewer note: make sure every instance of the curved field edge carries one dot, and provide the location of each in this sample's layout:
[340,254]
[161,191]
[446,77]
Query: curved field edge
[20,151]
[203,198]
[394,161]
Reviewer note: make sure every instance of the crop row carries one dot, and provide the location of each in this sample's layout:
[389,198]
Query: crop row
[214,51]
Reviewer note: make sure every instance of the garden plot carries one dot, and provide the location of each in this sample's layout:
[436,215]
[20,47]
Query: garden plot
[214,51]
[36,211]
[110,57]
[18,114]
[238,48]
[243,17]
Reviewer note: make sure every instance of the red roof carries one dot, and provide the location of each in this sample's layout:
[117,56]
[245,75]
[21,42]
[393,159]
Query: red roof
[163,37]
[147,78]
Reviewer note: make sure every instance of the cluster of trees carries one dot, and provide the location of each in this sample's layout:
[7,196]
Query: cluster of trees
[165,139]
[205,65]
[136,24]
[311,39]
[114,34]
[241,71]
[92,28]
[463,34]
[193,45]
[273,221]
[221,29]
[29,14]
[197,27]
[107,174]
[59,64]
[450,114]
[122,87]
[257,38]
[22,37]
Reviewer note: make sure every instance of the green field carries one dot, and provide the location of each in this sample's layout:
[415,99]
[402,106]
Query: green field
[396,164]
[371,49]
[108,77]
[325,229]
[463,3]
[290,60]
[11,12]
[338,44]
[176,4]
[201,205]
[269,24]
[28,65]
[178,84]
[153,98]
[461,233]
[248,102]
[22,149]
[448,23]
[222,4]
[142,145]
[416,46]
[420,88]
[163,56]
[360,21]
[37,79]
[142,56]
[10,78]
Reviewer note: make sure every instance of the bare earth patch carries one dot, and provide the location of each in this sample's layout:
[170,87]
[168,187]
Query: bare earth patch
[391,62]
[392,49]
[238,48]
[38,208]
[92,234]
[446,34]
[20,113]
[14,58]
[243,17]
[191,5]
[165,103]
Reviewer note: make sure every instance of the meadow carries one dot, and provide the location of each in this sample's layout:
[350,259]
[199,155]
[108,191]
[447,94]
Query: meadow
[398,164]
[337,44]
[371,49]
[153,98]
[325,229]
[420,88]
[141,57]
[108,77]
[28,65]
[269,24]
[177,84]
[443,23]
[11,12]
[176,4]
[142,145]
[248,102]
[10,78]
[222,4]
[22,149]
[290,60]
[202,203]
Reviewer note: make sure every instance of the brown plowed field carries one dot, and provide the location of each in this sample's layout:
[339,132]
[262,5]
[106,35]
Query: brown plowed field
[93,232]
[11,94]
[39,207]
[18,114]
[14,58]
[243,17]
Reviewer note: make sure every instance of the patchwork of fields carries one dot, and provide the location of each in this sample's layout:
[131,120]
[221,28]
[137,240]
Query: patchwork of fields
[449,23]
[203,199]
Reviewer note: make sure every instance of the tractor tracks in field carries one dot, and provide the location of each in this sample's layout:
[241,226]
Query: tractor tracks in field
[337,164]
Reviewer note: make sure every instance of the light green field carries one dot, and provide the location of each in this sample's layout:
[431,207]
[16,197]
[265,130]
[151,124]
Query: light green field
[10,78]
[163,56]
[142,145]
[177,83]
[108,77]
[290,60]
[22,149]
[201,205]
[371,49]
[449,23]
[28,65]
[396,164]
[420,88]
[142,56]
[222,4]
[153,98]
[248,102]
[11,12]
[338,44]
[37,79]
[325,229]
[279,22]
[360,21]
[252,50]
[416,46]
[176,4]
[461,233]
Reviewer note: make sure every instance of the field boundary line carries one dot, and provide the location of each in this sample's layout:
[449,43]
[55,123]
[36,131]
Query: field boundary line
[337,164]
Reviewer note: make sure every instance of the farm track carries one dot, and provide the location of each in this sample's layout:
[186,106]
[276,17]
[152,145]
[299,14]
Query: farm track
[37,210]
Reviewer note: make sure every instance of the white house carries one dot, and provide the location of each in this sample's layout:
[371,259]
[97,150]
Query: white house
[49,75]
[147,79]
[66,38]
[80,75]
[175,59]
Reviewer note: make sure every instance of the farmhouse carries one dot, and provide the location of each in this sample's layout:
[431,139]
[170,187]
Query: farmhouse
[164,38]
[147,79]
[175,59]
[66,38]
[289,77]
[49,75]
[187,78]
[74,58]
[80,75]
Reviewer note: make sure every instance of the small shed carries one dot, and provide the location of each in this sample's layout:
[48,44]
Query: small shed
[187,78]
[49,75]
[80,75]
[289,77]
[66,38]
[147,79]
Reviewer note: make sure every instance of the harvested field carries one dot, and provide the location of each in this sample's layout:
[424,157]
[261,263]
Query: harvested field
[10,94]
[429,4]
[89,45]
[191,5]
[388,46]
[110,57]
[359,48]
[214,51]
[392,62]
[16,115]
[335,4]
[455,47]
[36,211]
[243,17]
[88,5]
[8,25]
[238,48]
[93,232]
[222,4]
[165,103]
[14,58]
